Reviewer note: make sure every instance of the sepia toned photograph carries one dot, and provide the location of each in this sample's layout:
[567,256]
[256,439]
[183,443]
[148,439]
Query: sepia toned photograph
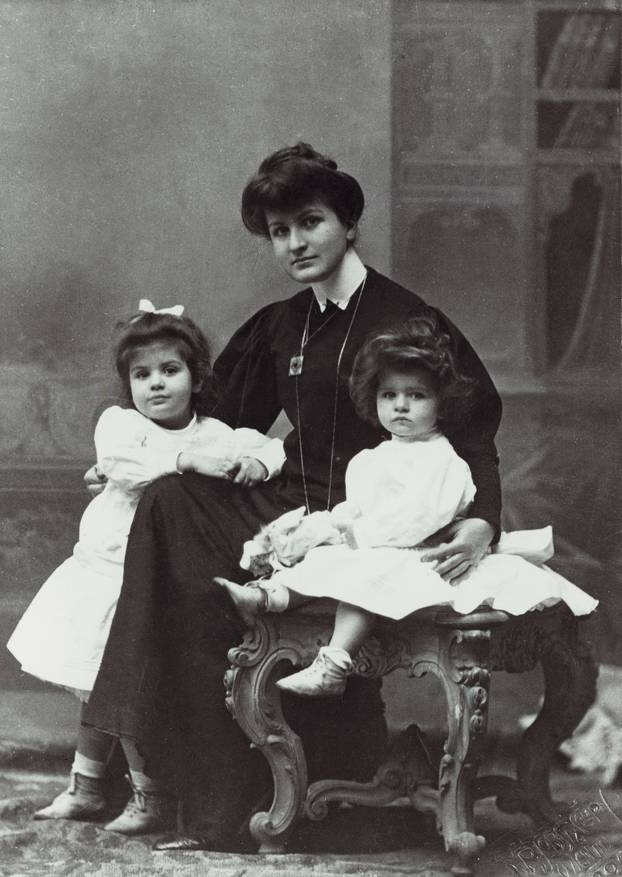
[310,447]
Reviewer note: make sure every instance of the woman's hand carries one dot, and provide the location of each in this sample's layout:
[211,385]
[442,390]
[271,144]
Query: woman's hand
[95,480]
[469,540]
[248,471]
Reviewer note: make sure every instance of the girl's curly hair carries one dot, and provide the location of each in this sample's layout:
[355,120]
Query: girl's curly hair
[181,332]
[294,177]
[420,343]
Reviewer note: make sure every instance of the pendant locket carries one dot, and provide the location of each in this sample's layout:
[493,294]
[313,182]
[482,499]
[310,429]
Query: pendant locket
[295,368]
[295,365]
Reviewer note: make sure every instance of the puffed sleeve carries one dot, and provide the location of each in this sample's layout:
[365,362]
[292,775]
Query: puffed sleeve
[474,438]
[245,376]
[122,455]
[407,503]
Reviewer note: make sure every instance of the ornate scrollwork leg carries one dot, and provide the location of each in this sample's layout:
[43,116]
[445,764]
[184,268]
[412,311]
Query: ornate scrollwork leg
[570,672]
[463,670]
[407,772]
[461,652]
[255,703]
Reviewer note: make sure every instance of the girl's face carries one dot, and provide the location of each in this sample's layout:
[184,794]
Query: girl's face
[161,384]
[310,242]
[407,404]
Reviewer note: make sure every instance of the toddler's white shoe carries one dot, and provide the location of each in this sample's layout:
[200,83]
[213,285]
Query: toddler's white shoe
[325,677]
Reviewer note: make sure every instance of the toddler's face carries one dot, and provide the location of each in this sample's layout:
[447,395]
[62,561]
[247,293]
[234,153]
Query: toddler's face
[161,385]
[407,404]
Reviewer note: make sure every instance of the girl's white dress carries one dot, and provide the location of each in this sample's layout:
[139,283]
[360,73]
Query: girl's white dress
[62,635]
[405,492]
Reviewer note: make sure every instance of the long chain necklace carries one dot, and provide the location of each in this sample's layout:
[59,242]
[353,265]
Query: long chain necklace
[296,362]
[295,369]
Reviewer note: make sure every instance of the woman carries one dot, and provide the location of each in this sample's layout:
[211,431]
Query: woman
[161,678]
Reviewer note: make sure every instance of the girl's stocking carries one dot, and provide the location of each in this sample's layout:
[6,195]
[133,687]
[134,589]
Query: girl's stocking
[93,752]
[136,764]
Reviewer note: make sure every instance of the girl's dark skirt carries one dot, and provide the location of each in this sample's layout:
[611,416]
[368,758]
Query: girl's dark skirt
[161,678]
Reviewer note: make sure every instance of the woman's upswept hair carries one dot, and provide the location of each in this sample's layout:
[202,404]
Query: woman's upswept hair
[181,332]
[295,176]
[420,343]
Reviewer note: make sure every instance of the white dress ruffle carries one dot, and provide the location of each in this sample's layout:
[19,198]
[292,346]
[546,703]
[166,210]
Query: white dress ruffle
[405,492]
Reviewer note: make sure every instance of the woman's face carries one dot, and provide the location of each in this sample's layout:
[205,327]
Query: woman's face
[309,242]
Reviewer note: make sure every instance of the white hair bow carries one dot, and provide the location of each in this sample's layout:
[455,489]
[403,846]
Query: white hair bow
[147,307]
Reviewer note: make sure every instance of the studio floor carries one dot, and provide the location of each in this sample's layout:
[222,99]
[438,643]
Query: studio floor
[365,842]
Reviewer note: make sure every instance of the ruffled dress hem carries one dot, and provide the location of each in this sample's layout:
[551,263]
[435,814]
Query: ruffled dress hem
[395,582]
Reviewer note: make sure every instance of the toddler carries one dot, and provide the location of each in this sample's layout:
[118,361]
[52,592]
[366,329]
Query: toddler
[368,552]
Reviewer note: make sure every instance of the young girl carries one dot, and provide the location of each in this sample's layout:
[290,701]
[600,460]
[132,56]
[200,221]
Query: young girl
[163,360]
[398,495]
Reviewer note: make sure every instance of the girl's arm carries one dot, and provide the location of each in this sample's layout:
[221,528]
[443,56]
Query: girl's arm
[196,461]
[124,458]
[252,457]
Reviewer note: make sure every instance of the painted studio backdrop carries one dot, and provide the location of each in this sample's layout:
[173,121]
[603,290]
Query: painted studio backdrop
[486,137]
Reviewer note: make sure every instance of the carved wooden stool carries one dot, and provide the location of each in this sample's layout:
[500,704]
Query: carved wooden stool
[462,651]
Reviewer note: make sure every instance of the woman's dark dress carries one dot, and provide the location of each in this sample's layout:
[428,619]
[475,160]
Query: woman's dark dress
[161,677]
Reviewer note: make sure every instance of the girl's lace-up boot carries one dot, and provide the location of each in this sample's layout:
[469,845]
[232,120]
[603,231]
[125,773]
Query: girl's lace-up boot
[146,812]
[325,677]
[84,799]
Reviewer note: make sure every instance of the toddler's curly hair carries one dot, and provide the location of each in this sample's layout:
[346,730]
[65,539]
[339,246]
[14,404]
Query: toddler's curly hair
[419,344]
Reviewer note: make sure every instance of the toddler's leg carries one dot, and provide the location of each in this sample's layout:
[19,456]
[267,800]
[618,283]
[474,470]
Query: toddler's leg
[327,675]
[255,598]
[352,627]
[84,799]
[151,807]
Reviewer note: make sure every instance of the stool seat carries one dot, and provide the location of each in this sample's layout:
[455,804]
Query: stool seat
[462,651]
[481,617]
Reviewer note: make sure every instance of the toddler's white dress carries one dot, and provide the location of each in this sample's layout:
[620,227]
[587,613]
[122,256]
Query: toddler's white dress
[405,492]
[62,635]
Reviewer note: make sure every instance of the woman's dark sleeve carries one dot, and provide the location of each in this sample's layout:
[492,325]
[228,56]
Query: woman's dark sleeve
[244,375]
[474,440]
